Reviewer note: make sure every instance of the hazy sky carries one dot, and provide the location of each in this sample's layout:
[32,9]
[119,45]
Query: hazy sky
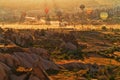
[68,4]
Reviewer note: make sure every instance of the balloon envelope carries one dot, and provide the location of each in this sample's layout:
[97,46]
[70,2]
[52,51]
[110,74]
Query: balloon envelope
[103,15]
[46,10]
[89,11]
[82,6]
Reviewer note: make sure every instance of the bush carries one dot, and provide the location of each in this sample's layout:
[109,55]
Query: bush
[67,54]
[42,32]
[52,72]
[112,78]
[104,28]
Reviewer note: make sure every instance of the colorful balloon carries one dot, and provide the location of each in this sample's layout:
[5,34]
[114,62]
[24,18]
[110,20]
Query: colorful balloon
[103,15]
[46,10]
[89,11]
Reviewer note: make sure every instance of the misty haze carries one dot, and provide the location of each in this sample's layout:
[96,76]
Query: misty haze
[59,39]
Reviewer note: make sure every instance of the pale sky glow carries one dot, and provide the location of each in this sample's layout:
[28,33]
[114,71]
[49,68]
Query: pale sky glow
[30,4]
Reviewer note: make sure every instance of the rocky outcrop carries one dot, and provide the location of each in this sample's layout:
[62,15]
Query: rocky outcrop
[36,58]
[21,39]
[74,65]
[69,46]
[41,52]
[3,71]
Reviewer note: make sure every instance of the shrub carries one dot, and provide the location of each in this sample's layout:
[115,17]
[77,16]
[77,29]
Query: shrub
[112,78]
[42,32]
[52,72]
[104,28]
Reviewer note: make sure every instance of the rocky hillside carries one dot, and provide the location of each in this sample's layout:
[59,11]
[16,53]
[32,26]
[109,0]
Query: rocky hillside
[59,54]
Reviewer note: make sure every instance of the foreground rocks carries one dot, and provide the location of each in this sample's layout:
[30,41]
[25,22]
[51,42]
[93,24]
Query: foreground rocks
[66,45]
[37,59]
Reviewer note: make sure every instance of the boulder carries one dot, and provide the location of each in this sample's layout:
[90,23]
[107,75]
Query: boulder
[39,72]
[36,58]
[32,77]
[24,59]
[48,64]
[15,77]
[41,52]
[69,46]
[5,67]
[2,57]
[3,74]
[9,60]
[74,65]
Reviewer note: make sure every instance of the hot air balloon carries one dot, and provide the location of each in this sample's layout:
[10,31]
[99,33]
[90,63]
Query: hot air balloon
[89,11]
[103,15]
[46,7]
[82,6]
[46,10]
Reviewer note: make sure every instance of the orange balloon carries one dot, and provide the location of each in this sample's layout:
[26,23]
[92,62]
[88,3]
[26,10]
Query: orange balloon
[89,11]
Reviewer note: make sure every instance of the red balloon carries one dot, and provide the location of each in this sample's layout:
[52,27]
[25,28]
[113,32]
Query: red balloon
[46,10]
[89,11]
